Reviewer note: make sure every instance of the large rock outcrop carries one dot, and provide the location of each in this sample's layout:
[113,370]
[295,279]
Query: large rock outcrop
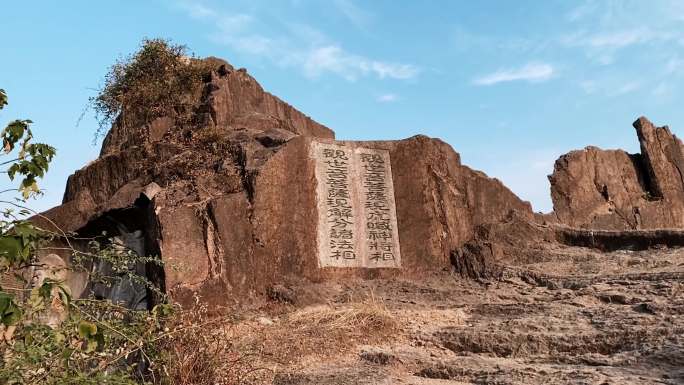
[229,204]
[611,189]
[230,200]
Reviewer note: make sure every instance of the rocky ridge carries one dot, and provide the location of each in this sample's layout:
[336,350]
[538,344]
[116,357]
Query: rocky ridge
[489,292]
[229,203]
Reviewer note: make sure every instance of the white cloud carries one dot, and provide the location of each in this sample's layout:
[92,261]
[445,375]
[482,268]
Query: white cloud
[197,11]
[589,86]
[662,90]
[580,12]
[625,89]
[674,65]
[387,98]
[233,23]
[604,44]
[615,39]
[618,39]
[610,87]
[252,44]
[465,40]
[352,12]
[392,70]
[333,59]
[296,45]
[531,72]
[330,58]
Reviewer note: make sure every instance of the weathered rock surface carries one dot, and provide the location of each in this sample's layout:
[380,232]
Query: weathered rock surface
[611,189]
[514,240]
[229,203]
[234,209]
[231,100]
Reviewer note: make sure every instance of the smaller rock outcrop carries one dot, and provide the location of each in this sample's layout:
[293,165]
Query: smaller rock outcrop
[614,190]
[514,240]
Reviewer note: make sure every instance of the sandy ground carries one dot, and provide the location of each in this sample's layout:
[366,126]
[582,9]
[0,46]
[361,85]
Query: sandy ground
[576,317]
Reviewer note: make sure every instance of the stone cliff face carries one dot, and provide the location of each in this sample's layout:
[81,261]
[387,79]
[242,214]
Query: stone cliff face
[266,233]
[229,204]
[611,189]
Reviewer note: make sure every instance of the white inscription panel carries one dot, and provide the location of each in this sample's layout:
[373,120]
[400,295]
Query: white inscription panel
[357,220]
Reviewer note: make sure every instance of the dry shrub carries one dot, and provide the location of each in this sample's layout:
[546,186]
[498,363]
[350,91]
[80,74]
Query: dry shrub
[205,350]
[200,351]
[318,332]
[160,79]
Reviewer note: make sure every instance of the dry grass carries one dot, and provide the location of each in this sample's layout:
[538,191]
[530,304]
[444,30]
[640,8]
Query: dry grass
[364,318]
[221,350]
[320,333]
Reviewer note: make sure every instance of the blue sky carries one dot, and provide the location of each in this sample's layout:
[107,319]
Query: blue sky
[511,85]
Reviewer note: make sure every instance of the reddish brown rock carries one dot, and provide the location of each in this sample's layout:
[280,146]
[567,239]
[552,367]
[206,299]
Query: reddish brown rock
[663,157]
[271,237]
[611,189]
[513,240]
[231,100]
[233,205]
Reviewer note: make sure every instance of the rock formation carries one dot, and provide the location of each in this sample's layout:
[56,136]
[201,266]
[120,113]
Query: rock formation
[229,204]
[603,199]
[611,189]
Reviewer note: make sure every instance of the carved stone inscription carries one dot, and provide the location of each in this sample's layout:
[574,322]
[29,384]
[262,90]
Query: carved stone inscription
[338,217]
[357,221]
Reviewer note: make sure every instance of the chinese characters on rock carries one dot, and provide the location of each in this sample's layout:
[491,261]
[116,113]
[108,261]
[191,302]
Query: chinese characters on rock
[379,240]
[357,224]
[339,206]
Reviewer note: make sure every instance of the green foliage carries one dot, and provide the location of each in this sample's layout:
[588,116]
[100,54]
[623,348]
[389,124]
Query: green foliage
[155,81]
[96,337]
[31,160]
[18,242]
[10,312]
[32,163]
[91,341]
[100,343]
[19,239]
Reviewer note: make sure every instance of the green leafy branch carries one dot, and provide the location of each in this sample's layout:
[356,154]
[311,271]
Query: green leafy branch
[32,159]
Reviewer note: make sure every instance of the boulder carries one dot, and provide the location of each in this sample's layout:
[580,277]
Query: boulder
[614,190]
[513,240]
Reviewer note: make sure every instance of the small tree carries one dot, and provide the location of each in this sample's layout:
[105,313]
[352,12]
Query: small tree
[19,239]
[97,342]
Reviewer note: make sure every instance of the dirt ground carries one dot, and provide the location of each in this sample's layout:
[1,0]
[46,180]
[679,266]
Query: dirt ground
[589,318]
